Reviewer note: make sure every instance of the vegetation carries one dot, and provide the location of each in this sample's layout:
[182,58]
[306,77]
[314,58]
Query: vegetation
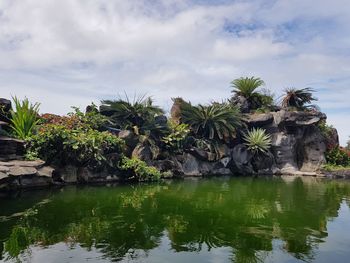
[138,114]
[175,140]
[217,121]
[300,99]
[257,141]
[338,156]
[139,170]
[24,118]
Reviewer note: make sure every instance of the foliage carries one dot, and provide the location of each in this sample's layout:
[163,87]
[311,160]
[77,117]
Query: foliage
[246,87]
[257,140]
[217,121]
[57,144]
[298,98]
[325,129]
[128,114]
[348,145]
[338,156]
[139,169]
[77,119]
[24,118]
[178,134]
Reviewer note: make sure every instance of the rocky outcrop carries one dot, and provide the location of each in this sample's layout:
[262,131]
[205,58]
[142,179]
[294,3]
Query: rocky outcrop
[11,149]
[25,174]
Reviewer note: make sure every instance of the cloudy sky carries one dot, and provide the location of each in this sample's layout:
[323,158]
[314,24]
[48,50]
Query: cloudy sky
[72,52]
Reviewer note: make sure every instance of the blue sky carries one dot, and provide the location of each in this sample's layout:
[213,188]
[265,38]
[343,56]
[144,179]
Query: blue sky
[70,52]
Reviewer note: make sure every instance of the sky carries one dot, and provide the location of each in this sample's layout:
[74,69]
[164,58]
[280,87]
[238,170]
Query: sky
[73,52]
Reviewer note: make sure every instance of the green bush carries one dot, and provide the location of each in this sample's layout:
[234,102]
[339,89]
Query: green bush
[139,170]
[257,141]
[59,145]
[178,134]
[24,118]
[338,156]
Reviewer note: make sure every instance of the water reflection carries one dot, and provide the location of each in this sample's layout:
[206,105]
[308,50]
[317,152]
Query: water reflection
[241,218]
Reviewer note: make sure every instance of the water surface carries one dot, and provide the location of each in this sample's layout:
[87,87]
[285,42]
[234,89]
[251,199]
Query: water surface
[207,220]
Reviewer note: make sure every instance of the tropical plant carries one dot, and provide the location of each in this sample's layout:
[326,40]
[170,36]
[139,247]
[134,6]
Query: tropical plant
[298,98]
[217,121]
[257,141]
[24,118]
[338,156]
[246,87]
[139,170]
[174,141]
[127,114]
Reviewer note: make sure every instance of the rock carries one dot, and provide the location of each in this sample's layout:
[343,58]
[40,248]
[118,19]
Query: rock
[21,171]
[142,152]
[46,171]
[3,176]
[35,181]
[241,102]
[4,169]
[175,110]
[68,174]
[11,148]
[264,163]
[36,164]
[259,120]
[298,118]
[172,166]
[130,138]
[85,175]
[241,159]
[332,139]
[191,166]
[5,107]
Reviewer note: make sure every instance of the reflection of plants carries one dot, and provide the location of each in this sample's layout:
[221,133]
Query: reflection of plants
[257,209]
[216,121]
[24,118]
[257,140]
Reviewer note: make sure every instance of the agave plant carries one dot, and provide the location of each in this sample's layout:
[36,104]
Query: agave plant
[298,98]
[257,141]
[215,121]
[24,118]
[128,114]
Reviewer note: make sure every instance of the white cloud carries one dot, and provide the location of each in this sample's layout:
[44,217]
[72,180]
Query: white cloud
[72,52]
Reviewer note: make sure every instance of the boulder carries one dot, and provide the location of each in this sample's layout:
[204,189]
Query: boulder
[46,171]
[241,160]
[130,138]
[259,120]
[142,152]
[11,148]
[21,171]
[36,163]
[85,175]
[241,102]
[161,120]
[298,118]
[68,174]
[5,107]
[35,181]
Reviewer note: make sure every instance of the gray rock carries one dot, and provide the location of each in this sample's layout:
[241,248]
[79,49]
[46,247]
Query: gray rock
[36,164]
[241,102]
[21,171]
[46,171]
[142,152]
[161,120]
[4,169]
[259,120]
[35,181]
[69,174]
[130,138]
[241,158]
[11,148]
[3,176]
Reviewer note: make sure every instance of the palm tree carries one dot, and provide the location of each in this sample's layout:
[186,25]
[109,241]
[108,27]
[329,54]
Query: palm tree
[298,98]
[246,87]
[216,121]
[127,114]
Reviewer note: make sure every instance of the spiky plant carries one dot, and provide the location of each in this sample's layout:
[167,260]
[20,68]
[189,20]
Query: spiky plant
[24,118]
[257,141]
[215,121]
[247,87]
[126,113]
[298,98]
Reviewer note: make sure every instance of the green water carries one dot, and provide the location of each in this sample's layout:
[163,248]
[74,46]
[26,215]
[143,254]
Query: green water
[211,220]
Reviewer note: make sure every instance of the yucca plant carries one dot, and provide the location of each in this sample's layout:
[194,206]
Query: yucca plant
[128,114]
[216,121]
[257,141]
[298,98]
[24,118]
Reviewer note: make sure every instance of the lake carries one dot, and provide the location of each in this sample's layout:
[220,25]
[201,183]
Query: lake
[194,220]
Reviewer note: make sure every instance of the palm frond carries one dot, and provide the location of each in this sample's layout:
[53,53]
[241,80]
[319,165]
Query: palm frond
[298,98]
[246,87]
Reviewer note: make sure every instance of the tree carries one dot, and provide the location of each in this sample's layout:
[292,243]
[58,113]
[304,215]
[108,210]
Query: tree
[298,98]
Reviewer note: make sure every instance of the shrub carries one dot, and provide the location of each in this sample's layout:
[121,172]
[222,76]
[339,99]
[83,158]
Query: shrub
[59,145]
[298,98]
[217,121]
[139,170]
[24,118]
[178,134]
[257,141]
[338,156]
